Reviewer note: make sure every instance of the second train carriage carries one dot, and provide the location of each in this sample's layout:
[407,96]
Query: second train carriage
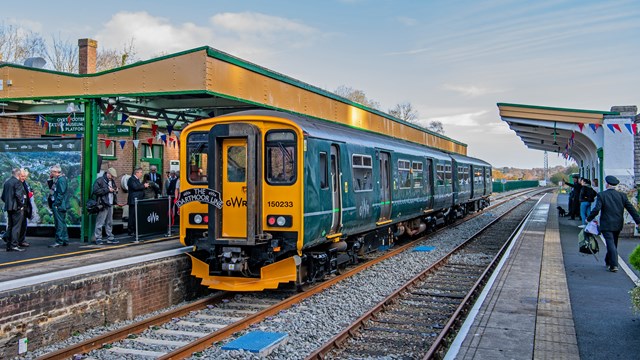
[301,196]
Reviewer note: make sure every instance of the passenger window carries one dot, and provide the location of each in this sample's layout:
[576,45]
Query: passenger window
[281,163]
[404,172]
[324,171]
[418,173]
[237,164]
[362,169]
[447,175]
[197,155]
[440,175]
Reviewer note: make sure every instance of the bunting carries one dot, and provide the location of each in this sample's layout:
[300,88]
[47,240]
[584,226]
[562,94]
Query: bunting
[580,126]
[108,109]
[138,125]
[154,129]
[617,127]
[107,142]
[164,138]
[594,127]
[150,141]
[122,144]
[169,129]
[125,117]
[135,143]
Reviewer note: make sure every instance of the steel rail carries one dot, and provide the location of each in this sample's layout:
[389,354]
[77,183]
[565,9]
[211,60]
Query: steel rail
[352,330]
[119,334]
[205,342]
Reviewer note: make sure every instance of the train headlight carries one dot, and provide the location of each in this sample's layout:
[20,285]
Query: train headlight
[281,221]
[197,219]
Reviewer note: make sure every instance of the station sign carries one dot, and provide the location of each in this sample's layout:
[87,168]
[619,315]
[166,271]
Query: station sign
[202,195]
[65,124]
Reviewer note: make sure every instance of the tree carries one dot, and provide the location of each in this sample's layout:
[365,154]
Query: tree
[436,126]
[404,111]
[110,58]
[63,55]
[17,45]
[357,96]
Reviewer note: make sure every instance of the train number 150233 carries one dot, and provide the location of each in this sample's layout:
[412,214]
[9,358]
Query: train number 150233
[280,204]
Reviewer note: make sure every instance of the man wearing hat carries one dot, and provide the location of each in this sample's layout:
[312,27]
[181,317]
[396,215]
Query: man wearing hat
[105,191]
[612,204]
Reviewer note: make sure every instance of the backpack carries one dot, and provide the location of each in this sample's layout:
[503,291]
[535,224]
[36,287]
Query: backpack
[587,243]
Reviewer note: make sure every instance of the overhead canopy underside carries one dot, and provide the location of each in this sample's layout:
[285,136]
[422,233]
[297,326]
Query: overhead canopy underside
[554,129]
[195,84]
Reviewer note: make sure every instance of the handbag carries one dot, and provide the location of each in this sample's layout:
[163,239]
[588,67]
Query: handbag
[592,228]
[93,206]
[587,243]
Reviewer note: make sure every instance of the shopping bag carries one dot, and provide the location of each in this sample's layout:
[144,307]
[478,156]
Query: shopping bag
[592,228]
[587,243]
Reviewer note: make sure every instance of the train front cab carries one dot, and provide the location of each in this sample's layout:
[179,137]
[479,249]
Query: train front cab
[252,242]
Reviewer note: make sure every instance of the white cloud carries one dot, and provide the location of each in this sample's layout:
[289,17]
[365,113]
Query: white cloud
[471,90]
[462,120]
[252,36]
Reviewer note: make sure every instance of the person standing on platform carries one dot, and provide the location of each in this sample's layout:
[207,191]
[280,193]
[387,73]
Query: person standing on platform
[136,191]
[13,196]
[105,190]
[171,185]
[154,180]
[60,206]
[574,197]
[587,196]
[28,209]
[612,204]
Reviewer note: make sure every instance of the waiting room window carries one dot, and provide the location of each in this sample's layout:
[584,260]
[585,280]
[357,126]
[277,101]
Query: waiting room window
[105,151]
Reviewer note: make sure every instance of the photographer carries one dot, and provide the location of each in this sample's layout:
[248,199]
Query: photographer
[105,190]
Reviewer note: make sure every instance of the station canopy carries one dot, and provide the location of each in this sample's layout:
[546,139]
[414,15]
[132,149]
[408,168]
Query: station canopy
[180,88]
[560,130]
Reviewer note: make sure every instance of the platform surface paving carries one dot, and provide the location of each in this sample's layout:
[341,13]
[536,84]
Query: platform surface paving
[551,302]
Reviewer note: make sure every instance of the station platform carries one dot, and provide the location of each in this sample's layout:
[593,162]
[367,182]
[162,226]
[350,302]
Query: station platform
[548,301]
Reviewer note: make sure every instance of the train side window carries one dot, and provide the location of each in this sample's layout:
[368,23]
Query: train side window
[281,162]
[197,155]
[477,176]
[447,175]
[404,173]
[362,167]
[324,171]
[440,175]
[418,173]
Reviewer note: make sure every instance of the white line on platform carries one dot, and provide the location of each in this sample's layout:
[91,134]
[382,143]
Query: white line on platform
[623,265]
[101,267]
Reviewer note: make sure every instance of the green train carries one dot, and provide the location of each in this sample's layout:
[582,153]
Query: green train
[302,197]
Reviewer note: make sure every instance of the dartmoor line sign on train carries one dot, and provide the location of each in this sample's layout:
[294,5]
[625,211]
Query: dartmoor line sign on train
[208,196]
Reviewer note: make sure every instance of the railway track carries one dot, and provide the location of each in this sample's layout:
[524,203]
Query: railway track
[190,329]
[420,319]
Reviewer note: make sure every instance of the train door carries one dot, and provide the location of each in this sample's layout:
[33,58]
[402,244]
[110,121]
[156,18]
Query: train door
[472,183]
[336,194]
[234,186]
[385,186]
[234,168]
[429,182]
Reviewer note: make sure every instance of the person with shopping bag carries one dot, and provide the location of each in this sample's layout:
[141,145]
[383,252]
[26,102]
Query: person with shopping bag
[611,204]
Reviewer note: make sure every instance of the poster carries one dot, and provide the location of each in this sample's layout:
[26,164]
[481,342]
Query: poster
[37,156]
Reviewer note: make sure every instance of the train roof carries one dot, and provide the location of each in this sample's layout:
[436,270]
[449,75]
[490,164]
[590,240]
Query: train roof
[329,130]
[469,160]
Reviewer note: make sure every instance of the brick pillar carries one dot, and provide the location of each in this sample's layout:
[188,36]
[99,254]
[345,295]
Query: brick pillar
[87,56]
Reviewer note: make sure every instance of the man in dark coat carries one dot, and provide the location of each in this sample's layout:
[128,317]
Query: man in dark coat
[574,197]
[136,191]
[154,180]
[13,197]
[612,204]
[60,206]
[105,190]
[28,209]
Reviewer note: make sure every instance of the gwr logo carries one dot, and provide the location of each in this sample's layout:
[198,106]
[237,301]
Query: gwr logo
[153,217]
[236,202]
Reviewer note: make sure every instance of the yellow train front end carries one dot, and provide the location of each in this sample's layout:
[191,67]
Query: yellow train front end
[250,237]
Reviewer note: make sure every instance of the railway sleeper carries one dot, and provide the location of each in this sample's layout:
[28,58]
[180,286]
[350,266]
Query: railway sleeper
[414,333]
[394,321]
[420,315]
[421,295]
[446,288]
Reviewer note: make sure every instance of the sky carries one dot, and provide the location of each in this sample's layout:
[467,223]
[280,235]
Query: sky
[453,61]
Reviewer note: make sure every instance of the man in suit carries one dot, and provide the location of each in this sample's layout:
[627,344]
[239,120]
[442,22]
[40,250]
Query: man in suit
[154,180]
[13,196]
[612,204]
[136,191]
[60,206]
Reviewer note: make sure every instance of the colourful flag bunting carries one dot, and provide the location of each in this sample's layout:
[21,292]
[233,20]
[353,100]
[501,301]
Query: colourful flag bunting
[610,126]
[164,138]
[581,126]
[617,127]
[634,126]
[154,129]
[138,125]
[125,117]
[593,127]
[108,109]
[169,129]
[150,141]
[107,142]
[122,144]
[135,143]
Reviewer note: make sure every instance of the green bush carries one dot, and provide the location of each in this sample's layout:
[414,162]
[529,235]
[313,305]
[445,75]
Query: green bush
[634,260]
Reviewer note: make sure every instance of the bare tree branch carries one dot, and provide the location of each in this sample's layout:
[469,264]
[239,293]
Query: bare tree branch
[357,96]
[405,111]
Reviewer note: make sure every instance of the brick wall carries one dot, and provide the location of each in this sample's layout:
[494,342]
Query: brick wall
[50,312]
